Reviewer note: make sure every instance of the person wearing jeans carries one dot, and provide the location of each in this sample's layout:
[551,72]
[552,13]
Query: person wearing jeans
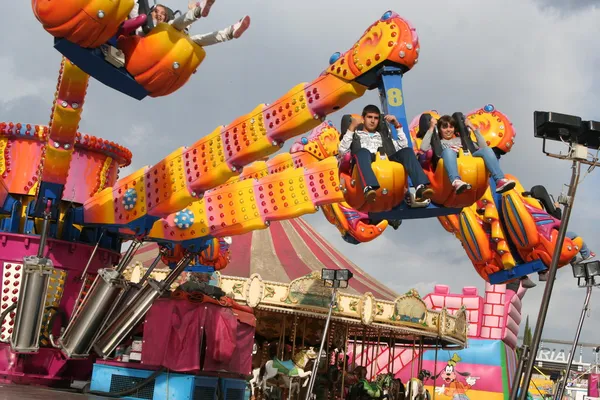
[364,144]
[452,145]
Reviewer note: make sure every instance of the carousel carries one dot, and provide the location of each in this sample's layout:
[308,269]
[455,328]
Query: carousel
[277,272]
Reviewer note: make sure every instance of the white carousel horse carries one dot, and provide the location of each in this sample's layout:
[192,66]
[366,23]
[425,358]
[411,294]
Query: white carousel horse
[293,368]
[416,391]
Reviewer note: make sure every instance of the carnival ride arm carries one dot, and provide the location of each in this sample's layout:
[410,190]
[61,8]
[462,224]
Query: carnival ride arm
[188,173]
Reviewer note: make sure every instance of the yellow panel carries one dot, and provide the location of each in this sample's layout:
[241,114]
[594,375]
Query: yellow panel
[177,228]
[283,195]
[205,164]
[232,209]
[3,142]
[166,185]
[280,163]
[323,182]
[245,139]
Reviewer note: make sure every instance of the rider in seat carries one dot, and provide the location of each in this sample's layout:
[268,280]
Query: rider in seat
[161,13]
[451,147]
[365,143]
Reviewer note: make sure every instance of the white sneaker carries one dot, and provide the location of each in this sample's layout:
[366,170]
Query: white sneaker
[240,27]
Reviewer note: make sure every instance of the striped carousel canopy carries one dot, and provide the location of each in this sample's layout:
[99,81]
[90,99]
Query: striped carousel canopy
[286,251]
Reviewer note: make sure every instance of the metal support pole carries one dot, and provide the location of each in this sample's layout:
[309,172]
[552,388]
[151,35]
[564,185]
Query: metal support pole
[539,326]
[586,303]
[87,266]
[131,315]
[514,390]
[311,383]
[124,262]
[33,289]
[45,229]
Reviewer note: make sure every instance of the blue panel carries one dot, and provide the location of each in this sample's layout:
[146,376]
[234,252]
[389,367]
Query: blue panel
[233,389]
[200,269]
[517,272]
[92,62]
[480,351]
[197,244]
[7,207]
[167,386]
[392,98]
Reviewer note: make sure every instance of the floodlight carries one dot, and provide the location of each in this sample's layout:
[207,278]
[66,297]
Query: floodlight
[328,274]
[578,270]
[555,126]
[592,268]
[343,275]
[591,134]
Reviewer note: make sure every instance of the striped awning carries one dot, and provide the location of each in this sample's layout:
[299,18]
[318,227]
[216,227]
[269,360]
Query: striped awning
[285,251]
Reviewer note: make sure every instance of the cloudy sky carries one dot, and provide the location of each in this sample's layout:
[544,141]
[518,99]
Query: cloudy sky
[520,55]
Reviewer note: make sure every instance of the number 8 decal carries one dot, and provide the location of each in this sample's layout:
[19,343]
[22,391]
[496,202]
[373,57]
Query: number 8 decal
[394,97]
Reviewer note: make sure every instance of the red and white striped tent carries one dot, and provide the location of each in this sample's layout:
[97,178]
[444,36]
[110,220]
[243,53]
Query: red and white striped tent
[290,250]
[285,251]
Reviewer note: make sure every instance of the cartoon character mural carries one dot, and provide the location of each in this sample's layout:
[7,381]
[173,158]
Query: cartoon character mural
[453,387]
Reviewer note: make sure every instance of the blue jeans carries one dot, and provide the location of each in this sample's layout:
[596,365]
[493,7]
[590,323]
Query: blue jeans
[489,158]
[584,250]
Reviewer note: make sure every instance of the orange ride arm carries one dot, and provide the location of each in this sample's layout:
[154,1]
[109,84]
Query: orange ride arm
[64,122]
[181,178]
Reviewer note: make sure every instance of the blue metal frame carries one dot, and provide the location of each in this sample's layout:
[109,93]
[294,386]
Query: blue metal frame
[11,224]
[92,62]
[389,82]
[392,98]
[522,268]
[47,191]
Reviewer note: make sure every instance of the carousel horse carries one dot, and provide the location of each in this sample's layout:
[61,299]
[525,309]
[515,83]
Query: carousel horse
[415,390]
[293,368]
[365,390]
[393,389]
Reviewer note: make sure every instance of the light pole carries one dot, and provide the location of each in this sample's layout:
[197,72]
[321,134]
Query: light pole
[586,273]
[337,279]
[580,136]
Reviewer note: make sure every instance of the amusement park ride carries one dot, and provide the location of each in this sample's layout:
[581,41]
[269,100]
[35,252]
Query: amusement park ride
[66,213]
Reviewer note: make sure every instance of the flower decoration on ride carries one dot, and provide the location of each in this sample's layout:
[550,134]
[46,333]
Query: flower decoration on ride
[130,199]
[184,218]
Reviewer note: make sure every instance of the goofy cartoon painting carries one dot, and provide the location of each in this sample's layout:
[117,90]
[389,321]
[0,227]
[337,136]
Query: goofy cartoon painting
[452,387]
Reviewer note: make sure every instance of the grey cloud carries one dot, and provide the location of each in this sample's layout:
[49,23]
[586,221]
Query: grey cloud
[568,6]
[508,53]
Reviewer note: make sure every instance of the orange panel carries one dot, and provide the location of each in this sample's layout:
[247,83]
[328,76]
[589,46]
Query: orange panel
[167,185]
[88,23]
[472,170]
[162,61]
[392,181]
